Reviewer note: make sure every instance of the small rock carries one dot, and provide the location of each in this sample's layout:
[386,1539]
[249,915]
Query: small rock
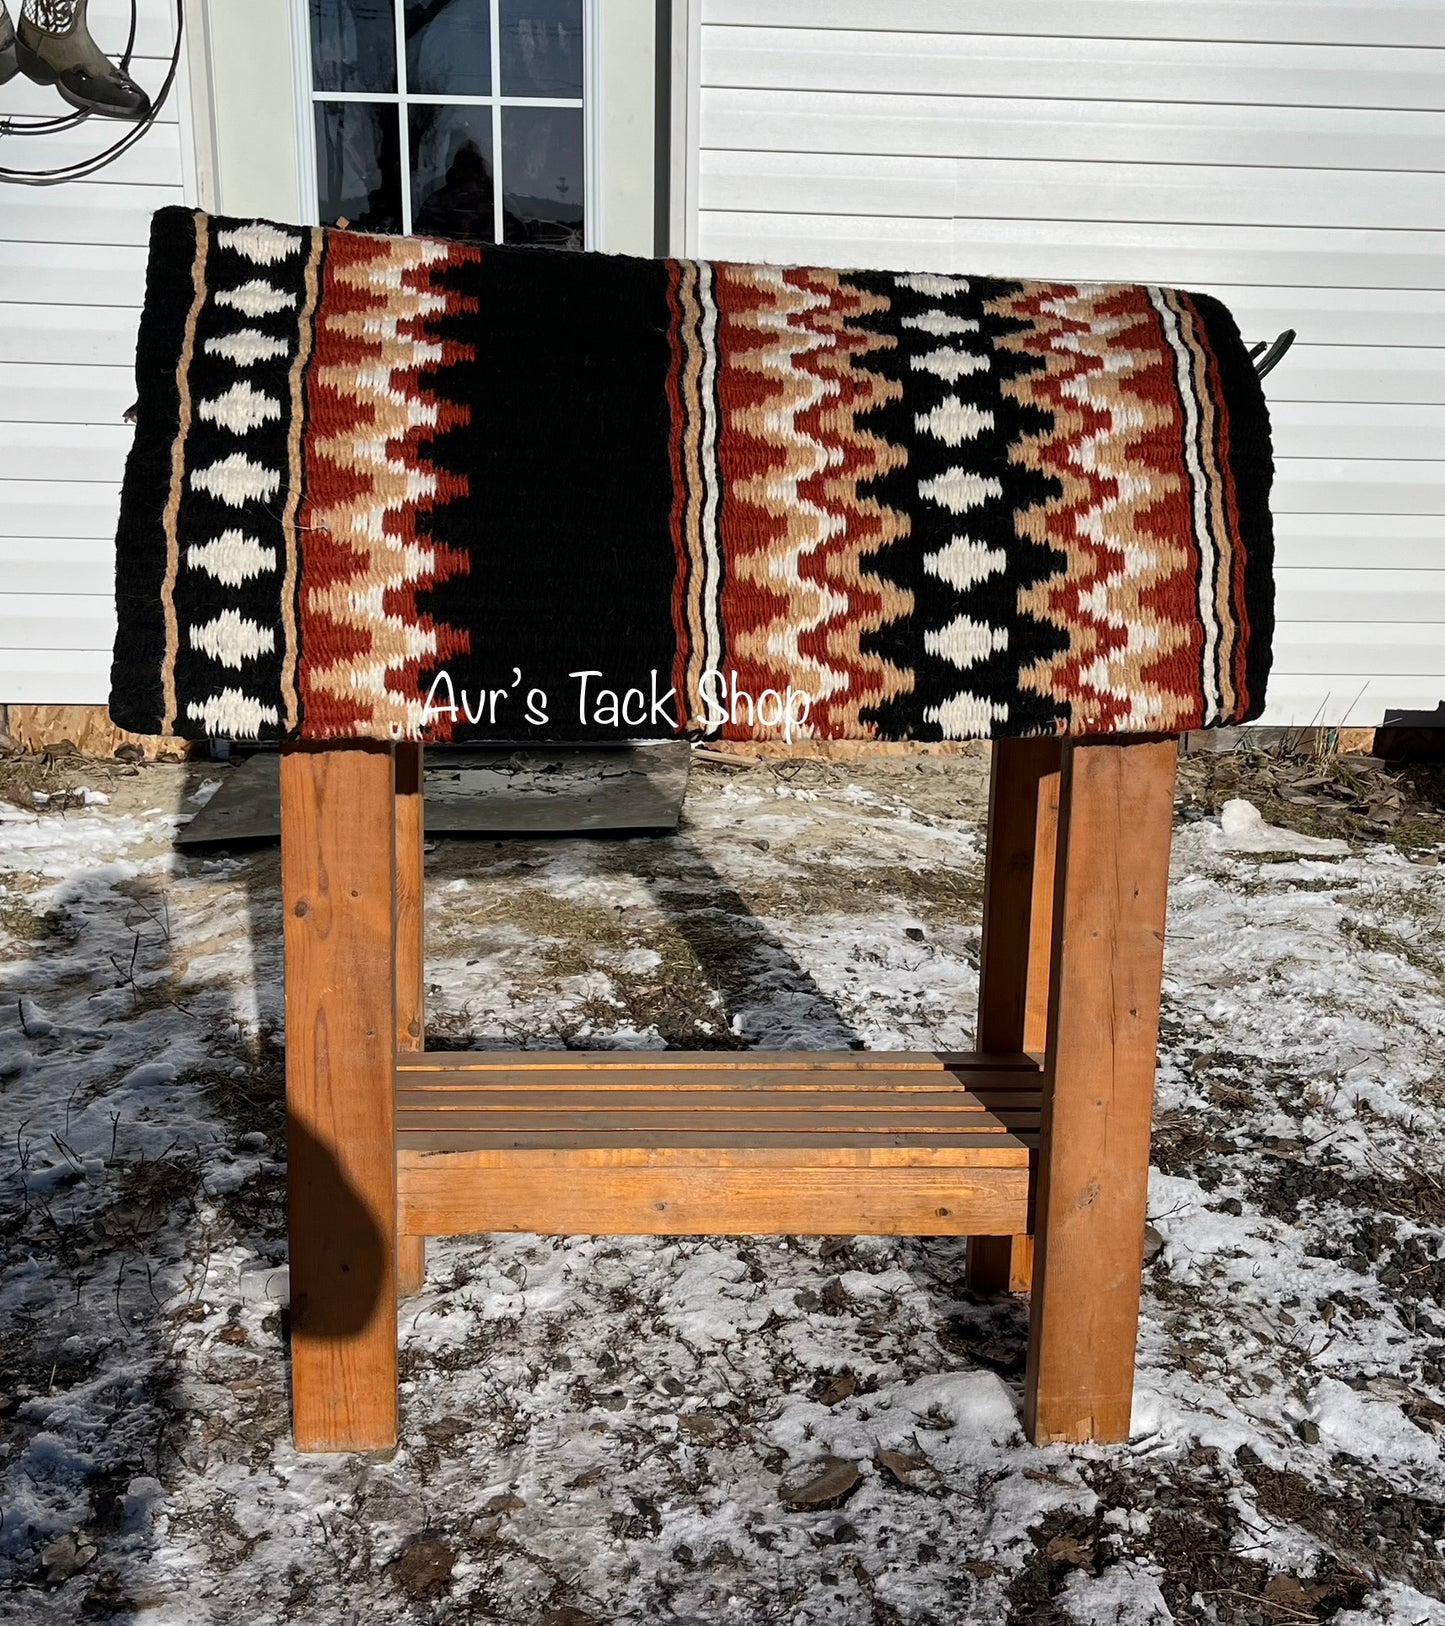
[1066,1549]
[67,1555]
[915,934]
[1289,1592]
[504,1503]
[1231,1205]
[444,1431]
[838,1389]
[1308,1431]
[901,1466]
[1153,1244]
[424,1570]
[826,1483]
[265,1283]
[700,1424]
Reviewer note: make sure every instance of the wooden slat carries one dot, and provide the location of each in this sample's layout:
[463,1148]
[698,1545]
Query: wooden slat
[689,1128]
[698,1090]
[337,878]
[1012,1131]
[713,1061]
[438,1197]
[1015,911]
[1015,954]
[736,1143]
[972,1151]
[1000,1264]
[709,1103]
[1115,817]
[409,927]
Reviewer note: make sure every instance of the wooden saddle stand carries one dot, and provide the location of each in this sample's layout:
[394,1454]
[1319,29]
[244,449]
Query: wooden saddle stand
[1035,1146]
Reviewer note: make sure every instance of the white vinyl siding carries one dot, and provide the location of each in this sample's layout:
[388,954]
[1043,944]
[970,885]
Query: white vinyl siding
[1286,155]
[72,276]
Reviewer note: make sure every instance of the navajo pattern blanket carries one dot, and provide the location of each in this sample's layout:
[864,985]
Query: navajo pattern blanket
[389,488]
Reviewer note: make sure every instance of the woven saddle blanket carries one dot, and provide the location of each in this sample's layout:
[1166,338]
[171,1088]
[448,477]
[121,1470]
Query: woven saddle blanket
[387,488]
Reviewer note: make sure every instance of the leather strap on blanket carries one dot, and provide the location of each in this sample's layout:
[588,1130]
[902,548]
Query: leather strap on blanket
[578,496]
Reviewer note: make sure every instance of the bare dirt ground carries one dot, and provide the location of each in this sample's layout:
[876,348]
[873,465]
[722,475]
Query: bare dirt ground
[639,1430]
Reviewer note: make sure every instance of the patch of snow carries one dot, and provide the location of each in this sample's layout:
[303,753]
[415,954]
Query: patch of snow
[1241,829]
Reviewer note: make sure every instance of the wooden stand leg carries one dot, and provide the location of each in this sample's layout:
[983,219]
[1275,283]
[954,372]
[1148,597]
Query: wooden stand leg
[410,959]
[1017,929]
[1115,815]
[337,877]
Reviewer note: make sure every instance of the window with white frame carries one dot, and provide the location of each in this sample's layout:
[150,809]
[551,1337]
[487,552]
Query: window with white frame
[451,118]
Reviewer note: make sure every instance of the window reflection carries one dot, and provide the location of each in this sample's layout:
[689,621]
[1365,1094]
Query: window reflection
[467,162]
[542,175]
[358,164]
[353,45]
[452,190]
[449,47]
[541,43]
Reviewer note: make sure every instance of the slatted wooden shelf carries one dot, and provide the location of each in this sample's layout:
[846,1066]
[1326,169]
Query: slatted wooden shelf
[748,1142]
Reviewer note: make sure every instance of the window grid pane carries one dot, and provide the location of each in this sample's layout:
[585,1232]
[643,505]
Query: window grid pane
[430,112]
[448,47]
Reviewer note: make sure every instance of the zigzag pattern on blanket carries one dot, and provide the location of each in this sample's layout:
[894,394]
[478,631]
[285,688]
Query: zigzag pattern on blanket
[938,506]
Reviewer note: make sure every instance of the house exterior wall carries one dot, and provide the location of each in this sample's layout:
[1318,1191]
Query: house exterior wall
[72,264]
[1286,155]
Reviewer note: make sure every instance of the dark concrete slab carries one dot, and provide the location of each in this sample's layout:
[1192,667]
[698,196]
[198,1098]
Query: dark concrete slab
[529,791]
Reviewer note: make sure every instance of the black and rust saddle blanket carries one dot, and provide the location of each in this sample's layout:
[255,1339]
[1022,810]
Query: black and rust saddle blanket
[388,488]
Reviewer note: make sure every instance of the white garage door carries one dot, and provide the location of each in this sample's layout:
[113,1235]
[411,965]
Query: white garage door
[1286,155]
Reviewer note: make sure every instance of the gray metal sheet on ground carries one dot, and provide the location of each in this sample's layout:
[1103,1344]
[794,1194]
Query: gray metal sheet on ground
[532,791]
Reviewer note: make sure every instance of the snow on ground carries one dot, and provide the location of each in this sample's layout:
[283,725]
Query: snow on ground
[713,1430]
